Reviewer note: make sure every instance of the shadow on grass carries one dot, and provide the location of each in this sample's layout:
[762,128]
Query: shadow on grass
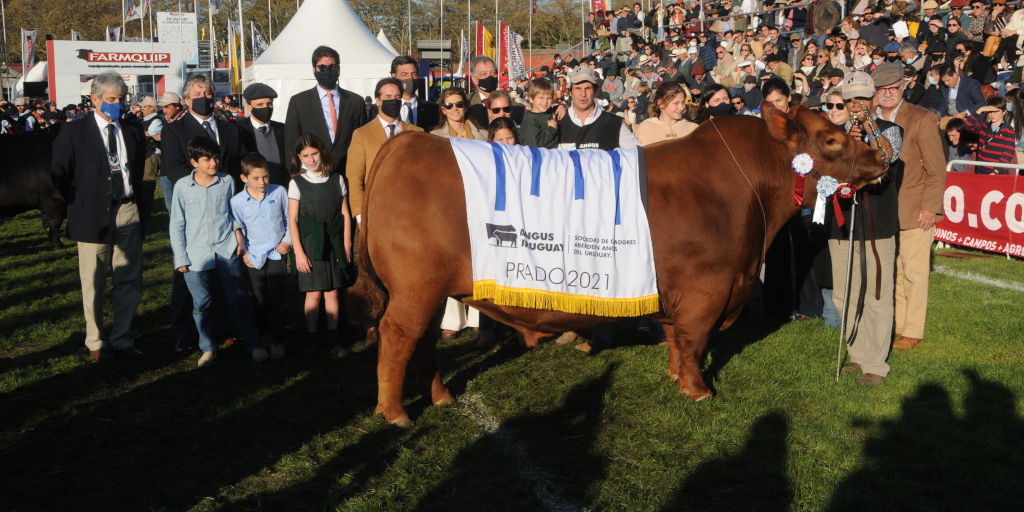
[172,441]
[931,459]
[539,461]
[753,479]
[752,326]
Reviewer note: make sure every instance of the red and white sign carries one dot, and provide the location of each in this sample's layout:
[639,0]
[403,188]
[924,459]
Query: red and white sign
[128,57]
[984,212]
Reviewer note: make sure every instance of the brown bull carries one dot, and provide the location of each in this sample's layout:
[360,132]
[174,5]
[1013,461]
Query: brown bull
[709,230]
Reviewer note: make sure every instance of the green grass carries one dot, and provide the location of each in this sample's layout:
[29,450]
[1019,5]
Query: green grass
[601,432]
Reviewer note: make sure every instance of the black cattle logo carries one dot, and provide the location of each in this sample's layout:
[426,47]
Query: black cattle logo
[500,235]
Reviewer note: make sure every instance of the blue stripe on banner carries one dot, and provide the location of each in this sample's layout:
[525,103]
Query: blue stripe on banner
[499,178]
[617,173]
[578,167]
[535,167]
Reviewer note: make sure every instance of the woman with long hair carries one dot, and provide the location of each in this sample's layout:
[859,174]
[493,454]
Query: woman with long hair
[455,121]
[666,121]
[715,101]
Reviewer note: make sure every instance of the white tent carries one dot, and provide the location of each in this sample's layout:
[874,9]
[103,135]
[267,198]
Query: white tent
[386,42]
[36,74]
[286,65]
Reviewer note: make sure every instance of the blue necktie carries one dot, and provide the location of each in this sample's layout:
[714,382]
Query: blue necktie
[209,130]
[412,112]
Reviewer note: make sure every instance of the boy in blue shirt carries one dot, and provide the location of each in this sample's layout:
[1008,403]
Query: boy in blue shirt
[206,243]
[261,212]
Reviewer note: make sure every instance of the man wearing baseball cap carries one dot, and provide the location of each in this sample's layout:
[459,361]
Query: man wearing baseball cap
[920,201]
[870,311]
[587,127]
[153,125]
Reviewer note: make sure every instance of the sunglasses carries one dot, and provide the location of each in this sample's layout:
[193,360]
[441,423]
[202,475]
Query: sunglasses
[457,104]
[837,106]
[507,110]
[954,24]
[331,67]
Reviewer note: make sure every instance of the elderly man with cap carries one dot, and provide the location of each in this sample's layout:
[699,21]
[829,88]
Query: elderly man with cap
[920,201]
[153,126]
[685,68]
[870,310]
[259,134]
[170,104]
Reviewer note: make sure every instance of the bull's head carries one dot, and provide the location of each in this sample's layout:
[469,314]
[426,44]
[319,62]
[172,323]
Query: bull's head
[835,153]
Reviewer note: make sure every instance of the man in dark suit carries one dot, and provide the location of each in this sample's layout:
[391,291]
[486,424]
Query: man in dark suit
[98,165]
[199,121]
[415,110]
[966,92]
[259,134]
[327,111]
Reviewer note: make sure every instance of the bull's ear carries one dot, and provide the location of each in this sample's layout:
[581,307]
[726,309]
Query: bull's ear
[782,126]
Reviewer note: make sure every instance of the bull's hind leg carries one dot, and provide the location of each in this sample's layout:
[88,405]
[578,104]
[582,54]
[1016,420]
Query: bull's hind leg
[673,351]
[402,328]
[691,330]
[425,360]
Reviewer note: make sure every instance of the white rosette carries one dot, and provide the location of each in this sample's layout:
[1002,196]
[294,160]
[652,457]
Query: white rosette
[826,187]
[803,164]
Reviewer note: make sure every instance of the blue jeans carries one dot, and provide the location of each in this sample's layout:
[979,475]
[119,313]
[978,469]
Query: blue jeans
[200,283]
[829,312]
[167,189]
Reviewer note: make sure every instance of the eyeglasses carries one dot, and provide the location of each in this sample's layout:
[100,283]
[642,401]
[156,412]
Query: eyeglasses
[457,104]
[507,110]
[327,67]
[954,25]
[892,90]
[837,106]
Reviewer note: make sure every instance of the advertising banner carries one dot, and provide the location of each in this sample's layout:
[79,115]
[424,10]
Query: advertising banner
[983,212]
[72,63]
[180,27]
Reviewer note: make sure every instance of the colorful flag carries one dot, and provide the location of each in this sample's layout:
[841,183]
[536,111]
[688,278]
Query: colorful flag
[28,49]
[259,43]
[131,11]
[484,41]
[597,5]
[214,6]
[513,55]
[113,34]
[463,52]
[533,6]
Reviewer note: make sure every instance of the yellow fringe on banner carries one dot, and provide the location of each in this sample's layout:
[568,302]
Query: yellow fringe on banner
[564,302]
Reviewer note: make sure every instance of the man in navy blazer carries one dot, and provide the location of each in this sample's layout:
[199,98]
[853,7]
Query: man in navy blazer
[327,111]
[966,90]
[198,97]
[97,165]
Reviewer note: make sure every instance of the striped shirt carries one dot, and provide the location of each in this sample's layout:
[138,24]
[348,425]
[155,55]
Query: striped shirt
[993,145]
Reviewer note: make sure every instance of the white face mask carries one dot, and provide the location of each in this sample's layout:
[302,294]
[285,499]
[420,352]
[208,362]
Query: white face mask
[878,62]
[806,69]
[748,87]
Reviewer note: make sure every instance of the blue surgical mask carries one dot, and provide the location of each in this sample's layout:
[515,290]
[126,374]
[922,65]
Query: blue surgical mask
[111,110]
[933,81]
[1009,107]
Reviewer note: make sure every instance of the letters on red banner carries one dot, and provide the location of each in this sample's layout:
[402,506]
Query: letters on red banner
[983,212]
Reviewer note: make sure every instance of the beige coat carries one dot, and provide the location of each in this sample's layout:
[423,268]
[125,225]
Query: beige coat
[924,171]
[654,130]
[366,142]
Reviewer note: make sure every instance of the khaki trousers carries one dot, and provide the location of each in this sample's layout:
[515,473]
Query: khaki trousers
[912,268]
[868,320]
[122,258]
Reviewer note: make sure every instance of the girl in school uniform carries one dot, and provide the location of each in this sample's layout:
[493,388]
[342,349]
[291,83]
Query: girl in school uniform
[319,220]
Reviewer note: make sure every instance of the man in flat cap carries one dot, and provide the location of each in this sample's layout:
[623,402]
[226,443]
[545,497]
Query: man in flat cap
[920,201]
[153,126]
[259,134]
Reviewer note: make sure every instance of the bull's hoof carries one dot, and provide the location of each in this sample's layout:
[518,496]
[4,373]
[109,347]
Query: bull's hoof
[372,336]
[446,400]
[379,409]
[673,376]
[695,392]
[401,422]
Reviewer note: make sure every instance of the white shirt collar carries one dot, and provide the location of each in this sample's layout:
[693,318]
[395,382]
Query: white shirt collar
[212,120]
[256,122]
[575,118]
[103,123]
[322,93]
[385,124]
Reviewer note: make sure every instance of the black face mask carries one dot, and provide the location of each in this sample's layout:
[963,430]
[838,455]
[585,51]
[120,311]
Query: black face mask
[262,114]
[202,106]
[326,79]
[722,109]
[391,108]
[488,84]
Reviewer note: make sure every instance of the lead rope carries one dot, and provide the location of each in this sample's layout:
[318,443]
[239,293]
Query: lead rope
[846,296]
[764,216]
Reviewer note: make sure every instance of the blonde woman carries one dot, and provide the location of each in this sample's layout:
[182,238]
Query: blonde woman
[455,121]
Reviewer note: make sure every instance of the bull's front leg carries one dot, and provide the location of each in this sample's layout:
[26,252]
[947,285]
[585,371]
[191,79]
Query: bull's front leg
[673,351]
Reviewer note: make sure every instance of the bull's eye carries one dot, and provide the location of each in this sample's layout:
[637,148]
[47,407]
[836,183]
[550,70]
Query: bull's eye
[831,141]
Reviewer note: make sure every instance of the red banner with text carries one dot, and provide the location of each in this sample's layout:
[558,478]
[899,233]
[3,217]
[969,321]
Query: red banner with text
[983,212]
[597,5]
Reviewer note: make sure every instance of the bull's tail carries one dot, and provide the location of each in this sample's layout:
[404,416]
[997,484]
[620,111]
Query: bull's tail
[367,298]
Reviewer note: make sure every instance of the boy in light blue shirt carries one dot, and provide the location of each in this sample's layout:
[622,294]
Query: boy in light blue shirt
[206,243]
[261,212]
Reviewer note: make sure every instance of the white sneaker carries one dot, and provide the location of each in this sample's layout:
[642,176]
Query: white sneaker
[206,359]
[258,354]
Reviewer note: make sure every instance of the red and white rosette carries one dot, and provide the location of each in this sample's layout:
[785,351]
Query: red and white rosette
[846,190]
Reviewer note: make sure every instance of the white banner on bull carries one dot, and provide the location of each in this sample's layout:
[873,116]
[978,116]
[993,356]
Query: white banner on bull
[558,230]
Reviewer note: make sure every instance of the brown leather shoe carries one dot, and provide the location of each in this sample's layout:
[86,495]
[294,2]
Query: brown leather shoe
[850,369]
[102,354]
[905,343]
[871,380]
[128,353]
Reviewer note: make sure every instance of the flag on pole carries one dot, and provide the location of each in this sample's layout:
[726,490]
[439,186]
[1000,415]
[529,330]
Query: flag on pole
[235,54]
[215,6]
[463,52]
[513,55]
[259,43]
[131,11]
[113,34]
[502,60]
[76,35]
[484,41]
[597,5]
[533,6]
[142,9]
[28,49]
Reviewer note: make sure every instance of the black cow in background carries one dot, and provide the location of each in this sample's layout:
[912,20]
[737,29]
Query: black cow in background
[25,182]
